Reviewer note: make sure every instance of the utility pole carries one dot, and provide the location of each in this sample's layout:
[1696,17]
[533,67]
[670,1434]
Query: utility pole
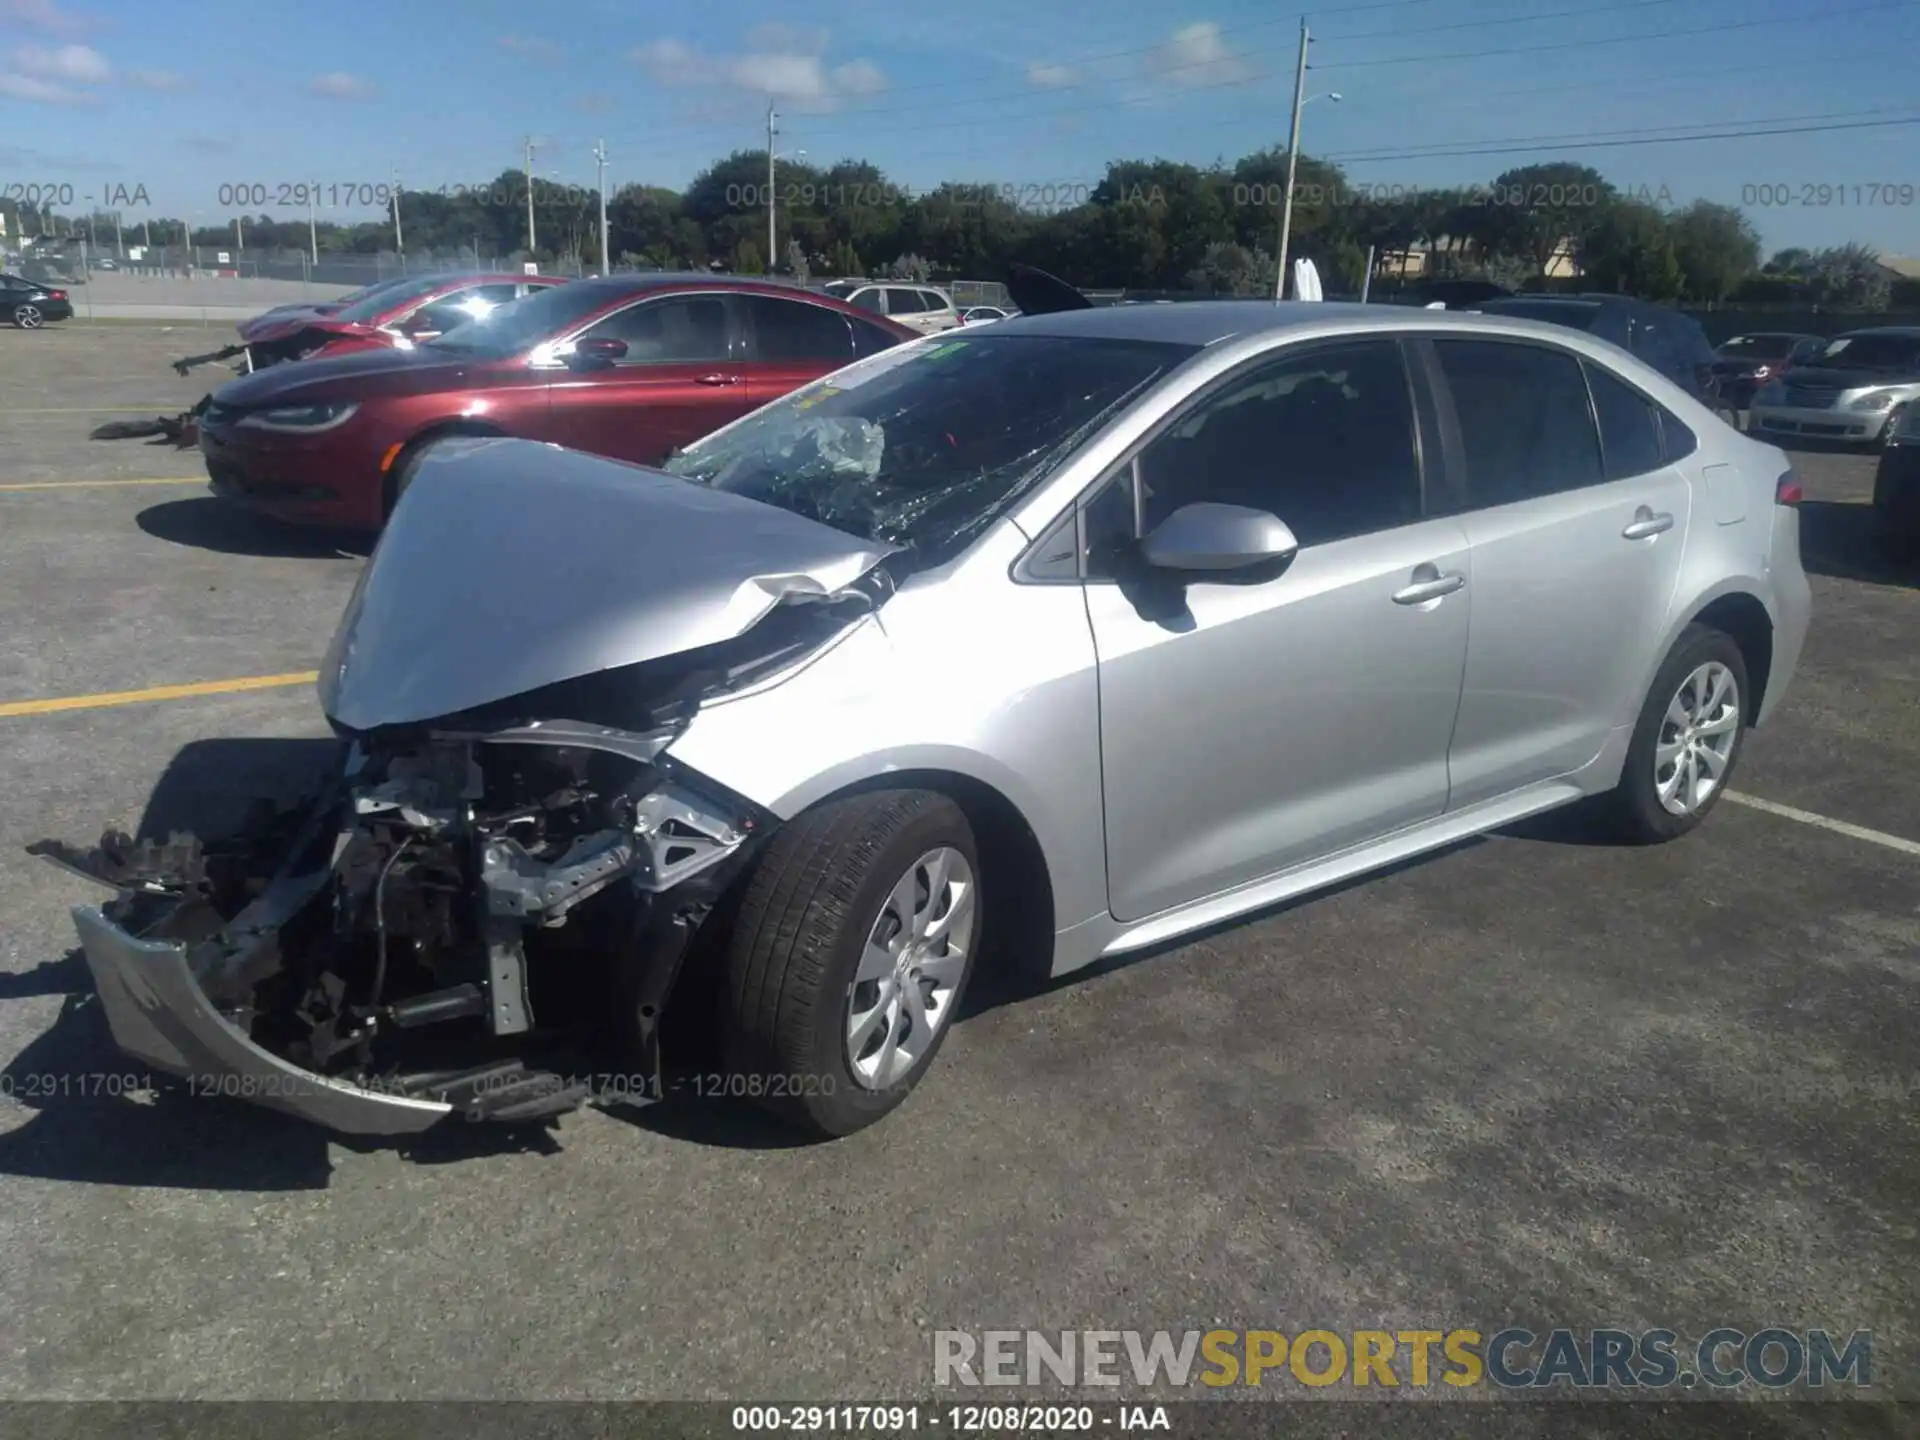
[600,158]
[313,231]
[529,175]
[1293,157]
[119,240]
[146,234]
[399,241]
[1366,280]
[239,236]
[773,129]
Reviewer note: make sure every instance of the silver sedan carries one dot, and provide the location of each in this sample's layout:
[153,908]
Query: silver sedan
[1022,647]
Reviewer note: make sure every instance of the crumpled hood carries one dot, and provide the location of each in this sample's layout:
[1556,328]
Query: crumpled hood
[511,565]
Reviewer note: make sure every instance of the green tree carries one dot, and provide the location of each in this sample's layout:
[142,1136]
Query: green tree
[1717,248]
[1850,277]
[1531,211]
[1630,250]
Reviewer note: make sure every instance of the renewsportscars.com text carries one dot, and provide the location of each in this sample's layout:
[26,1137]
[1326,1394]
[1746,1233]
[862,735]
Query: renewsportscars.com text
[1510,1359]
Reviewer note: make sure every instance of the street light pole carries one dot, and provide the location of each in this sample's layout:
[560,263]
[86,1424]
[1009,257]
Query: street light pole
[600,158]
[1293,157]
[399,240]
[772,130]
[529,175]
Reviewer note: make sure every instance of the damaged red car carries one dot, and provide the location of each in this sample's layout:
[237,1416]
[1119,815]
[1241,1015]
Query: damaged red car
[382,316]
[630,367]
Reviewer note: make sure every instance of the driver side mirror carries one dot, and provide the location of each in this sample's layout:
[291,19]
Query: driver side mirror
[596,353]
[1207,537]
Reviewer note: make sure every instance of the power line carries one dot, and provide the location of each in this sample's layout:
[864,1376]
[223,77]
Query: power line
[1579,136]
[1820,17]
[1524,147]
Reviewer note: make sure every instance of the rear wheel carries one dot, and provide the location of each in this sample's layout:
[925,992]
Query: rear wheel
[1687,740]
[28,317]
[848,956]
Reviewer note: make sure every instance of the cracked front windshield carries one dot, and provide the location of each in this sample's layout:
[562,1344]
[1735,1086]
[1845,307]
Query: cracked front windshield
[921,447]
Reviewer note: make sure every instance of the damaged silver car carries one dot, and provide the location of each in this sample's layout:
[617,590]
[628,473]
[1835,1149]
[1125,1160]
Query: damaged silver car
[1028,647]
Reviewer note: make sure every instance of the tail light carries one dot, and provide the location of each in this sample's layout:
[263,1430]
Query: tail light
[56,294]
[1761,372]
[1787,491]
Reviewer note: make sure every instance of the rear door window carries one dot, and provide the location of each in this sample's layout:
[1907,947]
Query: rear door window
[1526,423]
[788,330]
[901,301]
[1629,425]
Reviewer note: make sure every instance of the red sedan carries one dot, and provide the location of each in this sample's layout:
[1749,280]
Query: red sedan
[393,313]
[631,367]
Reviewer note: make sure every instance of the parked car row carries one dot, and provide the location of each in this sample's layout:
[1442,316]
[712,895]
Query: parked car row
[627,367]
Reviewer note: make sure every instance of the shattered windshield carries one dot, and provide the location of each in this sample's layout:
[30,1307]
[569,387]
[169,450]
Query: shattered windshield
[922,446]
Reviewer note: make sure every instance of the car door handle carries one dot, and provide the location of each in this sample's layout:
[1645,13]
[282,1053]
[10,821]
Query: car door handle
[1428,584]
[716,379]
[1646,523]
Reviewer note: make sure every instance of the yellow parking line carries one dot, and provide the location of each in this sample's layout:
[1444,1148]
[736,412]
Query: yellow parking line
[84,484]
[158,692]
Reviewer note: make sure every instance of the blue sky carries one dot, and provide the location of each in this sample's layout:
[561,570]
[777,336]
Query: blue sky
[181,99]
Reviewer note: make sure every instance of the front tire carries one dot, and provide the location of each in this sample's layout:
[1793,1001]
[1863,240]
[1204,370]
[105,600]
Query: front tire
[848,957]
[1686,742]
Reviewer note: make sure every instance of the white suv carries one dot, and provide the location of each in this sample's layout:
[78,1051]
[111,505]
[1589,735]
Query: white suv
[918,307]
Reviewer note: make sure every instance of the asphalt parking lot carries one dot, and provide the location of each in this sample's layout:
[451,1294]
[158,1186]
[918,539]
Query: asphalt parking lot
[1534,1080]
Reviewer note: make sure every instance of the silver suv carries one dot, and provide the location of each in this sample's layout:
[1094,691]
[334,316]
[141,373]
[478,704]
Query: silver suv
[1855,388]
[1031,645]
[918,307]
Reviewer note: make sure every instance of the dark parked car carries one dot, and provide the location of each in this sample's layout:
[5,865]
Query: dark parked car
[629,367]
[1746,362]
[1672,343]
[1896,487]
[28,304]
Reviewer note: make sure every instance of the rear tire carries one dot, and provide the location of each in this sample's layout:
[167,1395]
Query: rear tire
[28,317]
[1686,742]
[848,956]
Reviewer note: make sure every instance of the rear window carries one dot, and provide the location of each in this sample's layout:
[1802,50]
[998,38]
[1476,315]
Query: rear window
[1758,347]
[1571,313]
[375,303]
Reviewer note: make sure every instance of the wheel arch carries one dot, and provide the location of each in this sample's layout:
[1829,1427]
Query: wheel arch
[1737,611]
[428,434]
[1015,874]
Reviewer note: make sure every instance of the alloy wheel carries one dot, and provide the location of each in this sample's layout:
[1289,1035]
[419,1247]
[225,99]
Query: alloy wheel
[28,317]
[910,968]
[1697,736]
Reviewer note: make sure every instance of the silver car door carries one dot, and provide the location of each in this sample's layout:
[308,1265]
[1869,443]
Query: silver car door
[1252,723]
[1576,551]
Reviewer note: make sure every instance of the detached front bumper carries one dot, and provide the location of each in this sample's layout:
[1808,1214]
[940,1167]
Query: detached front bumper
[158,1013]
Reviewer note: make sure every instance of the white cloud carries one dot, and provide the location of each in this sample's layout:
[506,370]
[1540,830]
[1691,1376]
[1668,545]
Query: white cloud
[1196,56]
[531,47]
[1051,77]
[795,39]
[795,72]
[76,63]
[859,77]
[157,80]
[338,85]
[44,92]
[42,15]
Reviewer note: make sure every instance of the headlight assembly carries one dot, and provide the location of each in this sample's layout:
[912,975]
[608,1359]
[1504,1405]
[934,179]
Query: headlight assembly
[302,419]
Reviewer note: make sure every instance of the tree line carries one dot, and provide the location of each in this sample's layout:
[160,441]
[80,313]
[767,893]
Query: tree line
[1145,225]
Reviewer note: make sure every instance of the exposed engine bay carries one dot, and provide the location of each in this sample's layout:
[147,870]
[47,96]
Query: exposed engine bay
[492,922]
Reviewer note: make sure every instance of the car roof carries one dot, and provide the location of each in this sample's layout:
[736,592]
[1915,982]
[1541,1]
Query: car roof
[1207,322]
[1909,332]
